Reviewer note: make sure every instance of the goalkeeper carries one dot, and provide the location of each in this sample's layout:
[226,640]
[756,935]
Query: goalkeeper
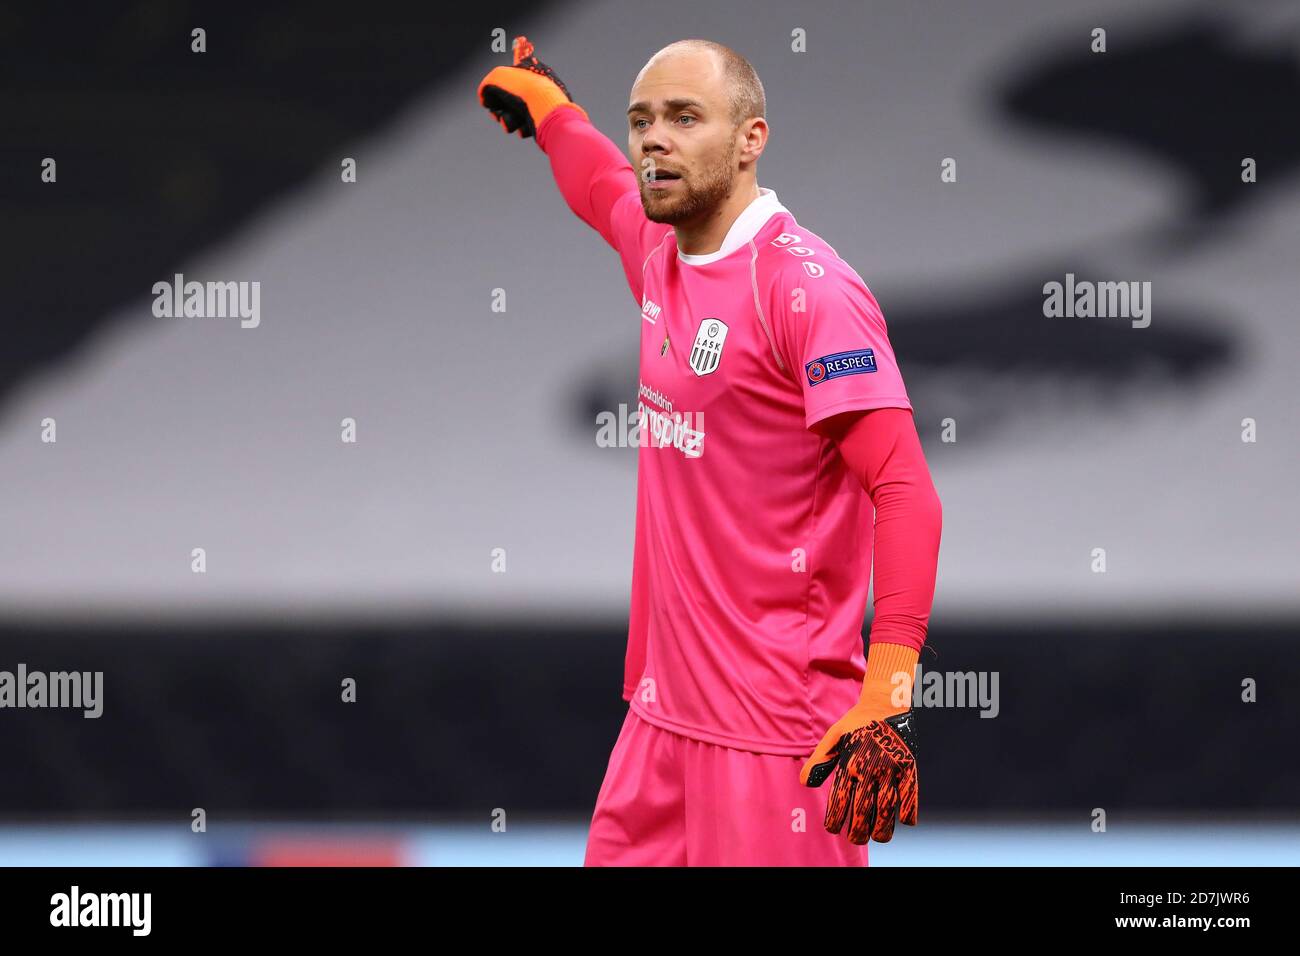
[773,423]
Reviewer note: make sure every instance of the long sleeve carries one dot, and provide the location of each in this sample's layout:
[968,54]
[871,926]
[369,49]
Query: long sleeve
[600,186]
[881,447]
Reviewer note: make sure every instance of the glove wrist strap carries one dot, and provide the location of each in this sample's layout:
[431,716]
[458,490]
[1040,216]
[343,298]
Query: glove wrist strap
[891,670]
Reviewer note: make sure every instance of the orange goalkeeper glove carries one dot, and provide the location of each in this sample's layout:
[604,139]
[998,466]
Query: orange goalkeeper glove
[872,752]
[522,95]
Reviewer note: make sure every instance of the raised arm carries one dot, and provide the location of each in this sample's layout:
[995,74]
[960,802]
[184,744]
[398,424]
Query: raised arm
[596,180]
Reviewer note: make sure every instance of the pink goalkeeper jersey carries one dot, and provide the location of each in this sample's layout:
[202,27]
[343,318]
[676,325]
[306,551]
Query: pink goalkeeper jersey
[753,544]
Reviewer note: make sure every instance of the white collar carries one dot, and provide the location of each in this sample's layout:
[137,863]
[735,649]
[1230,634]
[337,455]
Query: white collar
[751,219]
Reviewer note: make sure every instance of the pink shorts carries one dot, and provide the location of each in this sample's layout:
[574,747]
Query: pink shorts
[668,800]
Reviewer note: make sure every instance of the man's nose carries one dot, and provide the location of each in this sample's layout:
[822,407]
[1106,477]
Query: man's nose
[652,141]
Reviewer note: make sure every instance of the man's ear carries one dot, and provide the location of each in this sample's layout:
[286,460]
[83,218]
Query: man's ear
[756,136]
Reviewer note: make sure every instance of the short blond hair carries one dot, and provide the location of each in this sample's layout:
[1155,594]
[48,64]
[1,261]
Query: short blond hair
[745,88]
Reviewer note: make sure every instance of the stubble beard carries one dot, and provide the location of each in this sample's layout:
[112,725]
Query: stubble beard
[700,195]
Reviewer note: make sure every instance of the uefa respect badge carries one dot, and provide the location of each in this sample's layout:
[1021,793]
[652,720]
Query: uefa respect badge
[839,364]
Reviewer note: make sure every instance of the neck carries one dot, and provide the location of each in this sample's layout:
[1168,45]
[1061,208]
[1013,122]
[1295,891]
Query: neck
[701,237]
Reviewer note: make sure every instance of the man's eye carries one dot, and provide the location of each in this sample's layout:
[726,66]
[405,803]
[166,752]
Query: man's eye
[685,116]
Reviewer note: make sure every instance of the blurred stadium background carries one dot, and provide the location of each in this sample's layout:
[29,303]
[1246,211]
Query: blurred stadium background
[479,692]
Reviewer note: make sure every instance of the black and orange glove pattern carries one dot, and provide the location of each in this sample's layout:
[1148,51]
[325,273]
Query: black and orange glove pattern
[522,95]
[875,781]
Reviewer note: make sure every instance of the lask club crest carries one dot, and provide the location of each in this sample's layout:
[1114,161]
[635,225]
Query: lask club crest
[706,353]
